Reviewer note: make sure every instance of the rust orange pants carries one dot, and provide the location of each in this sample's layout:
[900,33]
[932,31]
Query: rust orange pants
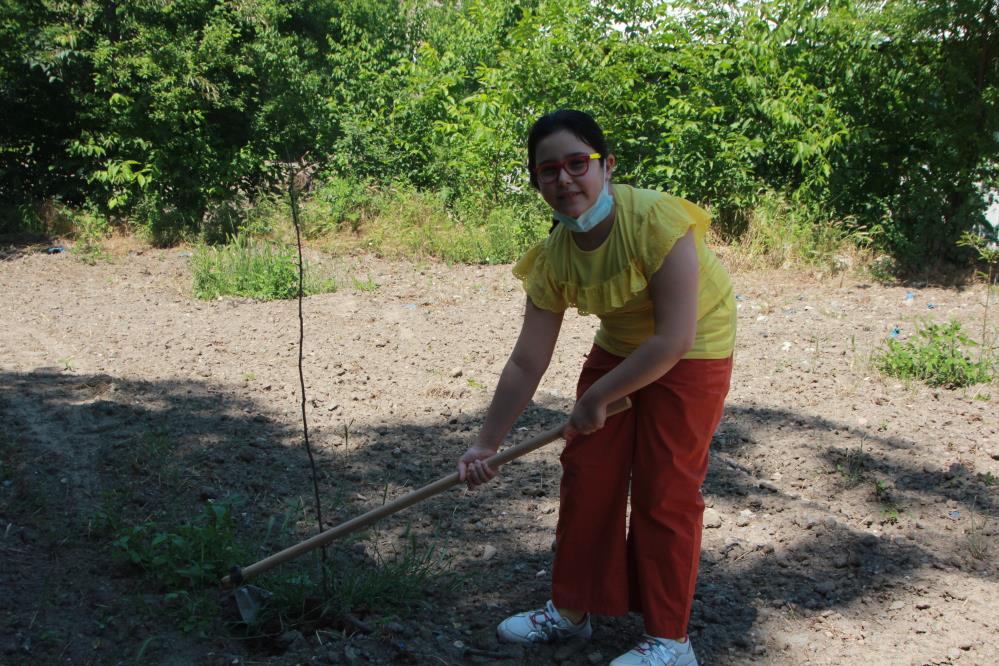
[659,448]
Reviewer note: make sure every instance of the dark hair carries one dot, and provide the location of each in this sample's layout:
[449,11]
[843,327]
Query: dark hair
[579,123]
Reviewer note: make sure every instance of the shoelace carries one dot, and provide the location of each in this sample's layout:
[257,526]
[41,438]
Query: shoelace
[545,628]
[656,653]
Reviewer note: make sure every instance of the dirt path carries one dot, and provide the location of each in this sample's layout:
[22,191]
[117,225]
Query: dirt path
[853,518]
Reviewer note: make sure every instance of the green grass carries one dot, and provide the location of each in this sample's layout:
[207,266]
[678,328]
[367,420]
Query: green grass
[937,355]
[398,221]
[89,233]
[186,562]
[386,585]
[364,285]
[253,268]
[780,233]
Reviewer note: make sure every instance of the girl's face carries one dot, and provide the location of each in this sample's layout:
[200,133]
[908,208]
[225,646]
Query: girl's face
[571,195]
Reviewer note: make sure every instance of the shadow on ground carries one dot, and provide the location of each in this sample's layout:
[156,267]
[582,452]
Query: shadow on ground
[75,446]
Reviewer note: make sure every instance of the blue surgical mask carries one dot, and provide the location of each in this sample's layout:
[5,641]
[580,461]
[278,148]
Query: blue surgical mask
[592,216]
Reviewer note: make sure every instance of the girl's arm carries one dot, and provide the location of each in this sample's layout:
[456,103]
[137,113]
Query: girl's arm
[673,289]
[518,381]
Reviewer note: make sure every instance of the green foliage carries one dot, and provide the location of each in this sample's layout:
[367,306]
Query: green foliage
[876,122]
[781,234]
[252,268]
[193,556]
[188,561]
[400,220]
[90,232]
[341,204]
[387,584]
[364,285]
[937,355]
[395,581]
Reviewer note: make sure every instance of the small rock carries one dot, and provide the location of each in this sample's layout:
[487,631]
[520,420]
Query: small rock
[954,653]
[457,372]
[541,574]
[897,605]
[799,641]
[595,657]
[488,552]
[768,485]
[292,640]
[712,519]
[830,522]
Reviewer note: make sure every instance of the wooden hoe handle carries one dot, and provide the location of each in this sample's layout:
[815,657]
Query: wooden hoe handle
[418,495]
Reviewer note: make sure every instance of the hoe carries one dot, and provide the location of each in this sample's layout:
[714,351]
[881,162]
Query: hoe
[250,598]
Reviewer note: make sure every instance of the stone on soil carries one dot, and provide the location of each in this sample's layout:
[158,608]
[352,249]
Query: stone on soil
[712,519]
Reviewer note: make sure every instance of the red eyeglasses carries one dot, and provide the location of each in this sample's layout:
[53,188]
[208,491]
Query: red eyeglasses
[577,165]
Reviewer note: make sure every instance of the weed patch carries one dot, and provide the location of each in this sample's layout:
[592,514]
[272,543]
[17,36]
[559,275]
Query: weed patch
[193,556]
[256,269]
[186,562]
[90,230]
[394,221]
[852,468]
[364,285]
[356,587]
[936,355]
[780,233]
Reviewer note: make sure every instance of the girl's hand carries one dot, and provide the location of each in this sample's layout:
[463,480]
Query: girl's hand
[587,416]
[472,467]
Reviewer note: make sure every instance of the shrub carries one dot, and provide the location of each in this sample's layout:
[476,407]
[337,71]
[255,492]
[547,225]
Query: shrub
[937,356]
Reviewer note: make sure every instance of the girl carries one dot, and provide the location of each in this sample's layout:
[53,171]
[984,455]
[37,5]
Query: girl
[637,260]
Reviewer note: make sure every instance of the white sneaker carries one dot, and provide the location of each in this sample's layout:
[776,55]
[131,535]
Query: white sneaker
[544,625]
[652,651]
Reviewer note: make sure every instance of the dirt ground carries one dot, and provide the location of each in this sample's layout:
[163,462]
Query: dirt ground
[853,517]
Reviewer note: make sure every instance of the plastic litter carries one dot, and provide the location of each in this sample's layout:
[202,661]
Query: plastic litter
[56,249]
[183,254]
[930,306]
[409,306]
[909,298]
[953,515]
[895,332]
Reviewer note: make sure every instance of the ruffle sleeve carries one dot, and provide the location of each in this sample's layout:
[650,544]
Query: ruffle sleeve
[609,294]
[666,223]
[549,291]
[535,272]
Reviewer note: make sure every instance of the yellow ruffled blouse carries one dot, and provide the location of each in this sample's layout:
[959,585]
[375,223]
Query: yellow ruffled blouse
[612,281]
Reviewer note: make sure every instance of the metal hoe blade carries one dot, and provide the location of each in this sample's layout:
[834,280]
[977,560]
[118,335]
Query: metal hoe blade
[250,599]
